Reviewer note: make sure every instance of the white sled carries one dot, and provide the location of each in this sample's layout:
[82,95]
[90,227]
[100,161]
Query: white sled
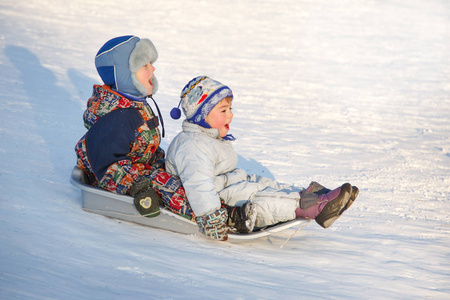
[99,201]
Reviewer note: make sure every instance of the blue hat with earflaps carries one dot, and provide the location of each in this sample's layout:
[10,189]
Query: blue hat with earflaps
[120,58]
[117,62]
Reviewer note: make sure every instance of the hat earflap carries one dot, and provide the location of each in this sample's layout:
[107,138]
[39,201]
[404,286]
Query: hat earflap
[143,53]
[142,88]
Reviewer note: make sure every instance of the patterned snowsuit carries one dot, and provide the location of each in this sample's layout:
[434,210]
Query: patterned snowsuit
[122,145]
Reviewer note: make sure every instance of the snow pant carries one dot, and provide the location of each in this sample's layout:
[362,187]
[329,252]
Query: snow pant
[276,202]
[172,193]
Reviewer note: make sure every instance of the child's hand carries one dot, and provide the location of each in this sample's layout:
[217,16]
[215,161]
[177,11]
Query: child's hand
[214,225]
[146,200]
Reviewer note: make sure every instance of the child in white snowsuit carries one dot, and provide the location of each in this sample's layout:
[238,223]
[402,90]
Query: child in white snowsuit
[203,157]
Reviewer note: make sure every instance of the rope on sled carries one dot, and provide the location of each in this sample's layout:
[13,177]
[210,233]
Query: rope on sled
[300,226]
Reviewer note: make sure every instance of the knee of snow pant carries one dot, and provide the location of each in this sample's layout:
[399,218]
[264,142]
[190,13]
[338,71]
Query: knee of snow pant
[171,191]
[274,209]
[237,194]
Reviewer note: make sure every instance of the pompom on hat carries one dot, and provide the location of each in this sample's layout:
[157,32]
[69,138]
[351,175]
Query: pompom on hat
[120,58]
[199,97]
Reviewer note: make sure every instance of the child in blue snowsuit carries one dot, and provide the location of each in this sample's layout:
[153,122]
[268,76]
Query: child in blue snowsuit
[120,151]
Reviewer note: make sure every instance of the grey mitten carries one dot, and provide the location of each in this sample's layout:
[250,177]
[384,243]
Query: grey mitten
[146,200]
[214,225]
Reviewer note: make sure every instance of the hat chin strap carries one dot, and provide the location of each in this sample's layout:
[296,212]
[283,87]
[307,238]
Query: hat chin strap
[202,123]
[160,117]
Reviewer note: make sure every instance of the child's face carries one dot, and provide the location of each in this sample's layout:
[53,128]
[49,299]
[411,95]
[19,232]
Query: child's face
[145,76]
[220,116]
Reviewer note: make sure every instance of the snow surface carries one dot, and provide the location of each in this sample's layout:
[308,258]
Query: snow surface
[325,90]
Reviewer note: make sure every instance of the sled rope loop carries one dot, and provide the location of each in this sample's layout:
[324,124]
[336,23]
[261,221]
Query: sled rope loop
[300,226]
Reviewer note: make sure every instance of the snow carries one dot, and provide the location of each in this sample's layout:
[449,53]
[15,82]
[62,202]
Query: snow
[332,91]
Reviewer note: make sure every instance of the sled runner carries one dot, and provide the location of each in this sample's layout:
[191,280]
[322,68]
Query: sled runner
[99,201]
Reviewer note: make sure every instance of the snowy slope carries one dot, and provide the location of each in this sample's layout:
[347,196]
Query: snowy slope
[332,91]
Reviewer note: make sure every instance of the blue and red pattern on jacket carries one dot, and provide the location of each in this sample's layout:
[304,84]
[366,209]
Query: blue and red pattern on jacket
[122,142]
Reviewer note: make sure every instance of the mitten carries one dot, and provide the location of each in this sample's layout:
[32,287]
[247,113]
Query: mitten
[214,225]
[146,200]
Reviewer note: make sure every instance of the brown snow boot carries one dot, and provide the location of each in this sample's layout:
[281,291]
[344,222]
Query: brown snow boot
[355,192]
[334,208]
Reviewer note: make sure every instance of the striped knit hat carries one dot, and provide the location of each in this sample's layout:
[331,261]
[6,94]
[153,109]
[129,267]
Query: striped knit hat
[199,97]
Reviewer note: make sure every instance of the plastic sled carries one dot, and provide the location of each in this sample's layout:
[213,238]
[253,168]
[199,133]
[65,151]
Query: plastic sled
[99,201]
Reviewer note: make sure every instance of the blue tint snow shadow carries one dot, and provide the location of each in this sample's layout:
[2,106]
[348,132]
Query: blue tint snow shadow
[252,166]
[82,83]
[53,110]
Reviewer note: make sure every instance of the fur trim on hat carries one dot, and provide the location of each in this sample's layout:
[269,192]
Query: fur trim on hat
[142,88]
[143,53]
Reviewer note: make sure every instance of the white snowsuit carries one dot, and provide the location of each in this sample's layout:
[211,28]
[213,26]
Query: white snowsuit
[206,165]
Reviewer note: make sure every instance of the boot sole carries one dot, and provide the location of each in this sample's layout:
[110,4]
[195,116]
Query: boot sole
[331,211]
[355,192]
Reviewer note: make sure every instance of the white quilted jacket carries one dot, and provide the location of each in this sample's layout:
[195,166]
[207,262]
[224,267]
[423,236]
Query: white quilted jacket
[206,165]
